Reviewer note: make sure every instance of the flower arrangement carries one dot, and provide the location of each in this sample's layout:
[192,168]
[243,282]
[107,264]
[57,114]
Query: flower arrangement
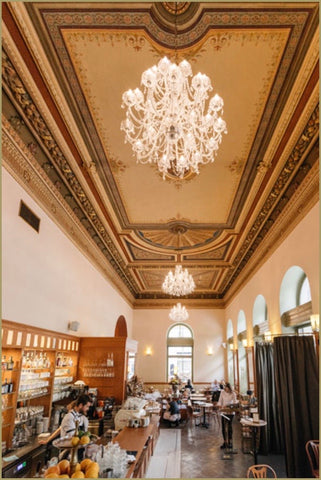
[175,380]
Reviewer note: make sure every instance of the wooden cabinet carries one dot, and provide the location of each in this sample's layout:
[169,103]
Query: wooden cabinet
[103,364]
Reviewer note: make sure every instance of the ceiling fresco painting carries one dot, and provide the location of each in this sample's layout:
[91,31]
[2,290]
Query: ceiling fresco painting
[65,67]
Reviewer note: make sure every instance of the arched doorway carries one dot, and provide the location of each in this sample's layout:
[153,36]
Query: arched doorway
[121,327]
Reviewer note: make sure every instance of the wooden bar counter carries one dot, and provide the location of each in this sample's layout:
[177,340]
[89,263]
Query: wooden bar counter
[141,440]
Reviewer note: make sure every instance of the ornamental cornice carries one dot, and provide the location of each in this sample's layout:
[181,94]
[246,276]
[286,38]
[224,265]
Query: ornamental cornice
[45,68]
[307,195]
[13,83]
[17,159]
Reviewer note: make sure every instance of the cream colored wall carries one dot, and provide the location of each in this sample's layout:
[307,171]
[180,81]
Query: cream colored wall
[150,329]
[46,281]
[300,248]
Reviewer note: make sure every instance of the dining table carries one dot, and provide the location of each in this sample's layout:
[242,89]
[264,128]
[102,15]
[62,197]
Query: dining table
[254,425]
[203,406]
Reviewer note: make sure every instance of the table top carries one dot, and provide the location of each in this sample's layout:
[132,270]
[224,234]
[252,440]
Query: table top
[250,422]
[134,439]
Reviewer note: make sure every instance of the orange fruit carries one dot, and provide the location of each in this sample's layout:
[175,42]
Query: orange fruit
[53,469]
[78,474]
[91,473]
[64,466]
[75,441]
[93,465]
[85,463]
[52,475]
[84,440]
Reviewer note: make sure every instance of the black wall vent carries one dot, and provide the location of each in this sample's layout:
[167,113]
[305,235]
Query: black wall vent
[29,216]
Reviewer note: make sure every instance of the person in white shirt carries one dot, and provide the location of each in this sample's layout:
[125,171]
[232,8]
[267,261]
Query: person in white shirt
[215,389]
[227,398]
[77,413]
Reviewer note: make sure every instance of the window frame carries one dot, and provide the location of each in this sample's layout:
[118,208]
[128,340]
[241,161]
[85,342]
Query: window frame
[180,342]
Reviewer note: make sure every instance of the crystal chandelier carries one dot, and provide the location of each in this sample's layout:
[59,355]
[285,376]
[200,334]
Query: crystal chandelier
[178,284]
[167,122]
[178,313]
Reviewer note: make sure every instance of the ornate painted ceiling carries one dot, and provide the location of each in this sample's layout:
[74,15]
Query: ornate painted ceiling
[65,67]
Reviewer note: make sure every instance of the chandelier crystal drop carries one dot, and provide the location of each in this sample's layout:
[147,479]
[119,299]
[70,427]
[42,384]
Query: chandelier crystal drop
[167,123]
[178,284]
[178,313]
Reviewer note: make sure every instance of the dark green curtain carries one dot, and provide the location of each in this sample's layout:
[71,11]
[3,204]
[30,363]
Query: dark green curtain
[297,390]
[271,439]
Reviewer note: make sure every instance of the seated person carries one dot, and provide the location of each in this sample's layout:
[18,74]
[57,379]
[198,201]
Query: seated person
[189,385]
[186,394]
[252,399]
[172,413]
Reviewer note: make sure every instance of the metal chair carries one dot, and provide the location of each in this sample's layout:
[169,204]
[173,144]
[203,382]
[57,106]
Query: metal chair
[260,471]
[312,449]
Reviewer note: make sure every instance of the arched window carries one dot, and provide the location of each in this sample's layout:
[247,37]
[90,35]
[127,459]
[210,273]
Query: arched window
[304,291]
[241,331]
[230,364]
[295,301]
[180,352]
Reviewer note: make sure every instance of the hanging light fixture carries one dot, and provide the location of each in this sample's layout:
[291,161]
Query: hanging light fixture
[169,122]
[178,313]
[179,283]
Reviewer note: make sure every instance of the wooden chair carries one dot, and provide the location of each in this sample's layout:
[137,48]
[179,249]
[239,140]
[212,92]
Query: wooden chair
[194,415]
[260,471]
[312,449]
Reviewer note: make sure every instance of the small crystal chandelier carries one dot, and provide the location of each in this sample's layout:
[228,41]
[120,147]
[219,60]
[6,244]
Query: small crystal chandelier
[178,313]
[178,284]
[167,123]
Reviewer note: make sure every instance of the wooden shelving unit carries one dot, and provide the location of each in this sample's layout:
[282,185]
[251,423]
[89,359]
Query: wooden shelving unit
[33,384]
[103,364]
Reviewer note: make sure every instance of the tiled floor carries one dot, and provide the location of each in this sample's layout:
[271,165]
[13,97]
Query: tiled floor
[194,452]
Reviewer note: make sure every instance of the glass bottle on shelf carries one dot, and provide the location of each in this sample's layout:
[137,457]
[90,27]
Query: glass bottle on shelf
[10,364]
[46,360]
[40,363]
[4,389]
[112,359]
[4,364]
[58,360]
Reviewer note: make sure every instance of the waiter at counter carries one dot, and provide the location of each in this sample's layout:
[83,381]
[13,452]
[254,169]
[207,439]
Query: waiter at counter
[76,414]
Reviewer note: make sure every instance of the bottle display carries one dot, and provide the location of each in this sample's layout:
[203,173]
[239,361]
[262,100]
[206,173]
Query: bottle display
[102,367]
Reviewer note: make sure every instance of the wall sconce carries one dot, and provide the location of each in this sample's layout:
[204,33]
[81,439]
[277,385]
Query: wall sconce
[210,351]
[315,319]
[223,345]
[231,346]
[148,351]
[244,342]
[268,336]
